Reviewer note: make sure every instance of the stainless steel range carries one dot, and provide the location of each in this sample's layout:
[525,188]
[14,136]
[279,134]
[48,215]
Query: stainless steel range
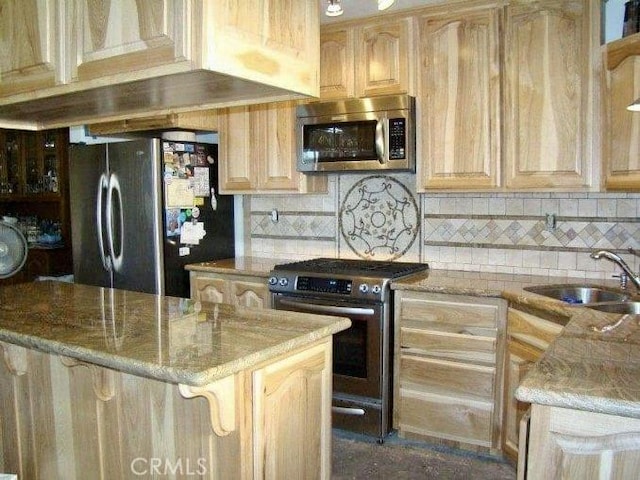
[362,354]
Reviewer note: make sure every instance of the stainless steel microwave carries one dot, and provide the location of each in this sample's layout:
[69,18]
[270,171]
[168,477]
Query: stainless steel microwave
[364,134]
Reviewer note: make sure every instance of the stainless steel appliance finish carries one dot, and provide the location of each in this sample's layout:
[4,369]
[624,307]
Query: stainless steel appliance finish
[352,135]
[362,354]
[119,220]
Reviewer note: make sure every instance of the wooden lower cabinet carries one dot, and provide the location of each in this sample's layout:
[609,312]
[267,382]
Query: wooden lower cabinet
[62,418]
[448,368]
[528,336]
[292,417]
[567,443]
[237,289]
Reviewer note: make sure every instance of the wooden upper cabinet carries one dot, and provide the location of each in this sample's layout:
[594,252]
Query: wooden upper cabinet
[383,52]
[550,91]
[257,151]
[337,63]
[364,59]
[129,35]
[622,127]
[459,88]
[234,150]
[29,33]
[126,58]
[280,158]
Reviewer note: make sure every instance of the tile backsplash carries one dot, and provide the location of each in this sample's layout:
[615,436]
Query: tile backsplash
[382,217]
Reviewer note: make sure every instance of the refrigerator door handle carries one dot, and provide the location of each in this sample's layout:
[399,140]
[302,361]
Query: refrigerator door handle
[115,255]
[103,185]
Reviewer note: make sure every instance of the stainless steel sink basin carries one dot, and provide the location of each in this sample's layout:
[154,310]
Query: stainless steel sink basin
[579,294]
[625,307]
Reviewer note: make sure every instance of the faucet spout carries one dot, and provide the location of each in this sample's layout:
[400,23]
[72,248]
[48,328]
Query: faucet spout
[615,258]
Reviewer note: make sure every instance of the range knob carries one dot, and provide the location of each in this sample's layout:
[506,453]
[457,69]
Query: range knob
[364,288]
[284,281]
[273,280]
[376,289]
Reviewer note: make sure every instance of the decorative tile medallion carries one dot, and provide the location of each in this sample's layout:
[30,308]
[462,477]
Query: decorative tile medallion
[379,218]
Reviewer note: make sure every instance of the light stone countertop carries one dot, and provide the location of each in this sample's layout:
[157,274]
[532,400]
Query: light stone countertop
[583,368]
[256,266]
[163,338]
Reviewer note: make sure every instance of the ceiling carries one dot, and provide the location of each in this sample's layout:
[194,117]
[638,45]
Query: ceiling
[366,8]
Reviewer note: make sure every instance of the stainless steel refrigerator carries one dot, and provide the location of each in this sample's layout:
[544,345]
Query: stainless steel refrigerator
[143,209]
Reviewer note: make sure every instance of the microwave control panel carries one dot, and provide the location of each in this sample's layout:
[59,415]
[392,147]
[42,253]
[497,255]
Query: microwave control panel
[397,138]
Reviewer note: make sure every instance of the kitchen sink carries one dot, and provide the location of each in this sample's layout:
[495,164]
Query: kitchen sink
[623,307]
[580,294]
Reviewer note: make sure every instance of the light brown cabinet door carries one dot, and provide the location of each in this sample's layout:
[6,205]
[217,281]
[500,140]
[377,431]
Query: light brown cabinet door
[291,409]
[31,29]
[519,358]
[257,151]
[567,443]
[622,139]
[459,87]
[235,150]
[337,67]
[250,294]
[208,289]
[129,36]
[382,58]
[550,47]
[528,336]
[277,155]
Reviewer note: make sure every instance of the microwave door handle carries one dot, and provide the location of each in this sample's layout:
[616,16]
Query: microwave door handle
[380,136]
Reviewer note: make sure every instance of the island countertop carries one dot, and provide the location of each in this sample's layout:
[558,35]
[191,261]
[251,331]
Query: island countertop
[164,338]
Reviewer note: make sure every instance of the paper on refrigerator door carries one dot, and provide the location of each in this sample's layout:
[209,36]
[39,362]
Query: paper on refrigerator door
[179,193]
[191,233]
[201,181]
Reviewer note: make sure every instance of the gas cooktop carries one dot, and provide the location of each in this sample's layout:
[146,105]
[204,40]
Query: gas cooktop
[353,268]
[340,278]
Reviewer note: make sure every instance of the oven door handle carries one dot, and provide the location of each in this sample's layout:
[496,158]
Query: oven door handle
[329,308]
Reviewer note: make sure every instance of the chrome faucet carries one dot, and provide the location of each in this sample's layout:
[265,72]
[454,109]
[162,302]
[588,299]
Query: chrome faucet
[627,273]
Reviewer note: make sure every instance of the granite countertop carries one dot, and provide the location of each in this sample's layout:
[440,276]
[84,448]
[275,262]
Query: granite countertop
[163,338]
[584,368]
[256,266]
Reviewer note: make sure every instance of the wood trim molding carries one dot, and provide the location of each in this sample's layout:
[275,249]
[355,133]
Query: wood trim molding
[15,358]
[102,378]
[222,403]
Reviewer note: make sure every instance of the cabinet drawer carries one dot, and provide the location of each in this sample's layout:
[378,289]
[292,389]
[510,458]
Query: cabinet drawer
[446,417]
[450,314]
[466,347]
[447,378]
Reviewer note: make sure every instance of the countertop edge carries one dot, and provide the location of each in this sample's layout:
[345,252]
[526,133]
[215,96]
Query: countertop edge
[168,374]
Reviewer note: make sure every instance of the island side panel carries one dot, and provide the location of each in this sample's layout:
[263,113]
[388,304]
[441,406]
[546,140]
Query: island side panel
[67,419]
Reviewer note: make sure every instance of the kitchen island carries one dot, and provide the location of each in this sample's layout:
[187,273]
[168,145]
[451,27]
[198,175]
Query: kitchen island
[103,383]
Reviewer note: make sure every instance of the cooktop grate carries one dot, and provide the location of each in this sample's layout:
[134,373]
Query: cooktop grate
[371,268]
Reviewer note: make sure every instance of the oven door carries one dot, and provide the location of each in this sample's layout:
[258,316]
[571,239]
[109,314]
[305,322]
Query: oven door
[358,350]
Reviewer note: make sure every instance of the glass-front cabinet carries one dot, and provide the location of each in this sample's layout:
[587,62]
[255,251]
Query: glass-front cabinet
[35,199]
